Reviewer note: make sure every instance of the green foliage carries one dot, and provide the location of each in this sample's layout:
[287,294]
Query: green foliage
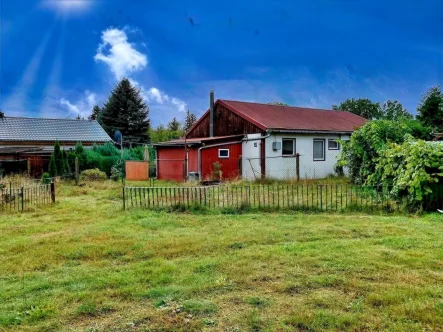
[104,157]
[430,110]
[162,134]
[46,178]
[2,115]
[367,143]
[96,113]
[414,169]
[93,175]
[126,111]
[52,167]
[117,171]
[393,110]
[190,119]
[58,158]
[363,107]
[174,125]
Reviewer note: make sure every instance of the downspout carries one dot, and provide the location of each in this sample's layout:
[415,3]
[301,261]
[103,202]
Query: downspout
[269,132]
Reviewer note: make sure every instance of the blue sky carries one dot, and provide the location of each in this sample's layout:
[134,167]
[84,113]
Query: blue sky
[59,58]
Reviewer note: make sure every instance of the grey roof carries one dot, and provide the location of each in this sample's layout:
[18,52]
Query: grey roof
[39,129]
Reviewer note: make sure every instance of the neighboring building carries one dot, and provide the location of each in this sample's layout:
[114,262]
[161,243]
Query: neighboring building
[254,140]
[33,139]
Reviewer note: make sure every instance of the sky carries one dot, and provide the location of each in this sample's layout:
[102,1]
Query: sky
[59,58]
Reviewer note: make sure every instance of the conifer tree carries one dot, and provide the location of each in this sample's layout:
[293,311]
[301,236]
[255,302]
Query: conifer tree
[189,120]
[126,111]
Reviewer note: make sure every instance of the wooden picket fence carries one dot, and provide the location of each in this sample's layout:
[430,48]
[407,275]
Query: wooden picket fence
[315,197]
[13,198]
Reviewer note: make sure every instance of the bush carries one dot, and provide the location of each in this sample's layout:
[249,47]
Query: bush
[93,175]
[414,169]
[46,178]
[367,143]
[117,171]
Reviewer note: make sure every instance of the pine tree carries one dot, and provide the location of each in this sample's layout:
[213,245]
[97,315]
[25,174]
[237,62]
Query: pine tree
[66,167]
[2,115]
[174,124]
[52,167]
[189,120]
[126,111]
[96,113]
[58,159]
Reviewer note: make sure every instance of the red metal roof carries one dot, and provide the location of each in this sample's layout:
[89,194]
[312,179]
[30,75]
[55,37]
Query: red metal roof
[268,116]
[181,141]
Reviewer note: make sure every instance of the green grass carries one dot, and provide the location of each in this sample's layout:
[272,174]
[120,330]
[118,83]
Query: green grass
[85,264]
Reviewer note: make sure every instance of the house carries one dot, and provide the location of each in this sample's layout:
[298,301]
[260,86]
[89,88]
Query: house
[255,140]
[32,139]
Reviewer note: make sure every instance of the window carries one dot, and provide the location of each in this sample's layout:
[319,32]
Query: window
[333,144]
[223,153]
[288,147]
[319,149]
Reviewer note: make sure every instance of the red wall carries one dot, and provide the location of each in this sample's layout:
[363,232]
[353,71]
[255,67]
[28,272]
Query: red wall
[193,160]
[170,163]
[229,166]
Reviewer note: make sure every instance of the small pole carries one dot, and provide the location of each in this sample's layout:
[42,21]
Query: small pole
[76,171]
[124,198]
[297,166]
[23,198]
[53,191]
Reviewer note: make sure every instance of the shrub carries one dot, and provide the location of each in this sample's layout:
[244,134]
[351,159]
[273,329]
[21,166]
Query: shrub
[46,178]
[367,144]
[414,169]
[117,171]
[93,175]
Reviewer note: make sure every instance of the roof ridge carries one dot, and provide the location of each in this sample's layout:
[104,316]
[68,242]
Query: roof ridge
[290,106]
[54,119]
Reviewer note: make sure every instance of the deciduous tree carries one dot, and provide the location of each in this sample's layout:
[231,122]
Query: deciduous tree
[363,107]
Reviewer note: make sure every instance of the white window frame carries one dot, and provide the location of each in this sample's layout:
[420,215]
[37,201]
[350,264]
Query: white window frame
[324,147]
[224,157]
[294,145]
[335,141]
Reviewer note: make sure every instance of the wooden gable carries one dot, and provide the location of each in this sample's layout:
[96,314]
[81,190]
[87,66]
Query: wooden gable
[226,123]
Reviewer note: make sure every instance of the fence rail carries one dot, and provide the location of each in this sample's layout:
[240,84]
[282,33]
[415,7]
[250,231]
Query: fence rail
[25,197]
[314,197]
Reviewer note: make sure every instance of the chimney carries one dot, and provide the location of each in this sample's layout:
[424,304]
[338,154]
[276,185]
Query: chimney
[211,113]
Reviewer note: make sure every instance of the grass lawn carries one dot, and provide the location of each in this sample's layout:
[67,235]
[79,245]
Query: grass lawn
[85,264]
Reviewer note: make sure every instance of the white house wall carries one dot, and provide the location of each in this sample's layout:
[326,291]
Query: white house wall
[285,167]
[251,166]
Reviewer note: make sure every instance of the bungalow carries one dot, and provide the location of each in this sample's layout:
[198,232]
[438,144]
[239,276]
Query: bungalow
[31,140]
[252,140]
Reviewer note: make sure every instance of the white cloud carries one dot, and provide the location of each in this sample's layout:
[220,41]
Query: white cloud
[155,96]
[122,58]
[68,5]
[82,107]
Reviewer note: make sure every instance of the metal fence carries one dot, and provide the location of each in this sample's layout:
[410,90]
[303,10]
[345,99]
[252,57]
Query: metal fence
[314,197]
[22,198]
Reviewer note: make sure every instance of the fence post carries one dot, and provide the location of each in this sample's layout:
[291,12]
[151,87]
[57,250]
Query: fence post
[124,198]
[76,171]
[297,166]
[53,191]
[23,198]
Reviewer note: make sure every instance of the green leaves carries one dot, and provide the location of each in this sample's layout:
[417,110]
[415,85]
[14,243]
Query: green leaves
[413,168]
